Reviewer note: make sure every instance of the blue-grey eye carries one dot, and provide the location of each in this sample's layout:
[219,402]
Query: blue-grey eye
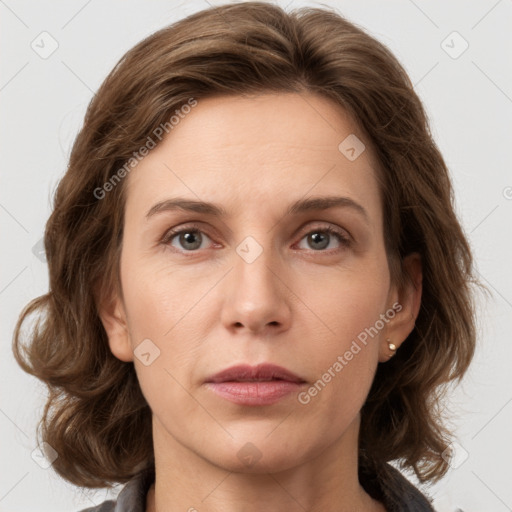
[320,239]
[188,239]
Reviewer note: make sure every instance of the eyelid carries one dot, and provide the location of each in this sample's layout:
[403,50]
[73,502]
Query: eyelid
[322,225]
[172,232]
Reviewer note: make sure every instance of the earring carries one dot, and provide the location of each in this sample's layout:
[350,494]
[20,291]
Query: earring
[392,347]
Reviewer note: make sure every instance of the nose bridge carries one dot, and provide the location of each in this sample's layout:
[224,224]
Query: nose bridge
[254,270]
[256,298]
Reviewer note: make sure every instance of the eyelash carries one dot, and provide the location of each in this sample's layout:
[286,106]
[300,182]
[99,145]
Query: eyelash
[344,241]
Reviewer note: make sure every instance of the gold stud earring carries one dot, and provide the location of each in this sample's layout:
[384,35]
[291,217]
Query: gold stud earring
[392,347]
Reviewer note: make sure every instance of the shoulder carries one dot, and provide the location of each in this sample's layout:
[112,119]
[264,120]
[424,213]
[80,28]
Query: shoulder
[393,490]
[106,506]
[132,497]
[403,495]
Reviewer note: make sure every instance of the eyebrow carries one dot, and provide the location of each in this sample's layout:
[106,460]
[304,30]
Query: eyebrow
[300,206]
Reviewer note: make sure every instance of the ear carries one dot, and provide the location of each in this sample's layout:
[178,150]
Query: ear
[408,301]
[112,313]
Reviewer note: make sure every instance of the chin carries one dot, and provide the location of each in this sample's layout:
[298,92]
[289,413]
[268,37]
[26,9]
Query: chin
[259,454]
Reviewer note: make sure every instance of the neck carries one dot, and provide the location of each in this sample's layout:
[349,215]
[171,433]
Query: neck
[328,482]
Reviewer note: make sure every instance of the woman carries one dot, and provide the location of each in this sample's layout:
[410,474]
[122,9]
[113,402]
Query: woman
[258,284]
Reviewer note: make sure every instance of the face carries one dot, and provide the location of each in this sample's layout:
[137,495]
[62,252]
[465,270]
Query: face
[266,275]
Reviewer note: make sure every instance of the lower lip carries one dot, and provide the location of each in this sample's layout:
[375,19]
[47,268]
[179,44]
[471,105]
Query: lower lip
[254,393]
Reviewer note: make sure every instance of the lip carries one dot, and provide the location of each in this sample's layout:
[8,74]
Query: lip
[263,384]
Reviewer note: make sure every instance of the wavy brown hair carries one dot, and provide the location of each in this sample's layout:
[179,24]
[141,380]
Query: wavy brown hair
[96,417]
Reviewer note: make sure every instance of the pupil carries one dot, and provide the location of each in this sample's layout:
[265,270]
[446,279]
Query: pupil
[321,239]
[188,239]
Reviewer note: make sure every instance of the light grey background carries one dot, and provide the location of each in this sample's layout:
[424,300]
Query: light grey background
[468,98]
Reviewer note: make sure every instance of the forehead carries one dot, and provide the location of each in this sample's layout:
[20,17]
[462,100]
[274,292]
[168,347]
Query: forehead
[244,152]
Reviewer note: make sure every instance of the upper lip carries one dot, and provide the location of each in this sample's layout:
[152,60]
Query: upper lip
[248,373]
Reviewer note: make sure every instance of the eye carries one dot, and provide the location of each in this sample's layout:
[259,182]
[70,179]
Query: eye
[320,239]
[187,239]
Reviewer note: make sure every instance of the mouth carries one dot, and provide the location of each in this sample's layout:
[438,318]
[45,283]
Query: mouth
[261,373]
[264,384]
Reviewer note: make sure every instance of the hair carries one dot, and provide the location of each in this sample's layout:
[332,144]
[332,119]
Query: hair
[96,417]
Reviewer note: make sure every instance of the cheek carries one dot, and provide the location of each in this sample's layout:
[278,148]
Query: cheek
[344,365]
[161,306]
[349,305]
[157,295]
[346,302]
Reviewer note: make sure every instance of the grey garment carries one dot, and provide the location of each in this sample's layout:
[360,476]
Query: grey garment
[386,484]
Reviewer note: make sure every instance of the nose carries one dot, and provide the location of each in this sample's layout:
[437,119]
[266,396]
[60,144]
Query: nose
[257,297]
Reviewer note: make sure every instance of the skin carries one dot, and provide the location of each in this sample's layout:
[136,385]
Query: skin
[295,305]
